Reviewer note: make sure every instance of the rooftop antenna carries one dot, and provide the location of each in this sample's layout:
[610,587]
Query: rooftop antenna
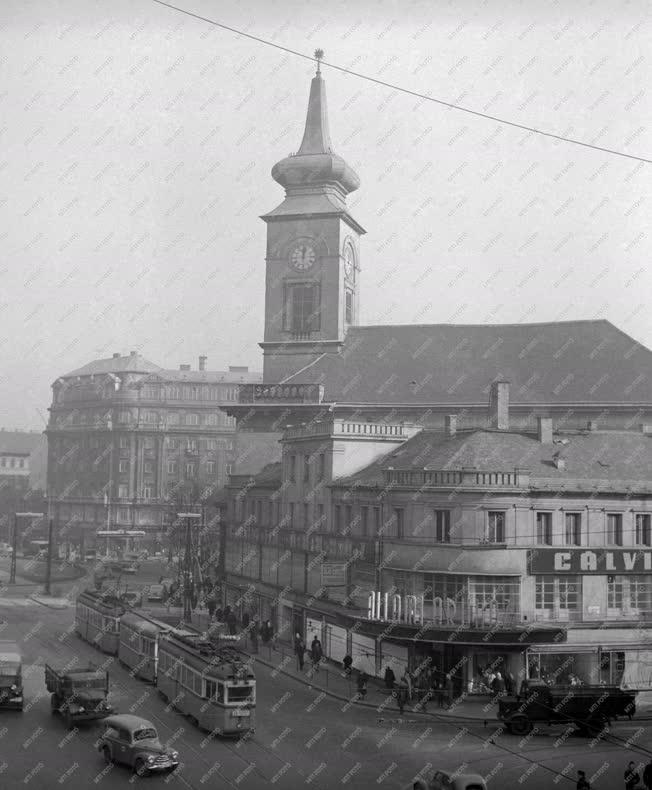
[319,56]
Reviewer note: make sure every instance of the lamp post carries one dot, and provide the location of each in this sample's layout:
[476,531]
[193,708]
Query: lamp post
[14,542]
[187,562]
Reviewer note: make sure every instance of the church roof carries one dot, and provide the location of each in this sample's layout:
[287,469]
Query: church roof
[567,362]
[618,458]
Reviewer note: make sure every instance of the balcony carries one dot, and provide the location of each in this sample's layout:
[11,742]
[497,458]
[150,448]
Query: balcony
[280,393]
[352,429]
[453,478]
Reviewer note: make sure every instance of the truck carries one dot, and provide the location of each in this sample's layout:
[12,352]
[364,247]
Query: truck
[589,708]
[79,694]
[11,676]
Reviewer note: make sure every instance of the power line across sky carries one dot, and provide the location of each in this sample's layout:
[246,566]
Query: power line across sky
[407,91]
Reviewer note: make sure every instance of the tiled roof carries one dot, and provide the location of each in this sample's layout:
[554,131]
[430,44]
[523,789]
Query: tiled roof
[19,442]
[616,457]
[550,363]
[133,363]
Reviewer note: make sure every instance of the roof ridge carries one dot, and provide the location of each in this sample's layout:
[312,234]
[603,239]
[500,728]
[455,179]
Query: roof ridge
[516,324]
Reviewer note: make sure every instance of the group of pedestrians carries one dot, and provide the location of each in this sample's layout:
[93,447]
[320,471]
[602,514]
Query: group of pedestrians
[316,652]
[420,687]
[632,778]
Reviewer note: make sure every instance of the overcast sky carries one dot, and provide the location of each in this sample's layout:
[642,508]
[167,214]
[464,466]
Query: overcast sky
[137,145]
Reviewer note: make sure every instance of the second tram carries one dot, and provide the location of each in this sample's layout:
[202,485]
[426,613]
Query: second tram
[138,646]
[97,620]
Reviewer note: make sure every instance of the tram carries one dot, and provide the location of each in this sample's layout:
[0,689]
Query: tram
[211,684]
[97,620]
[139,642]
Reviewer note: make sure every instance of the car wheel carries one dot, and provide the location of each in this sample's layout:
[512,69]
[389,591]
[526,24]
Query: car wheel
[140,768]
[521,725]
[106,753]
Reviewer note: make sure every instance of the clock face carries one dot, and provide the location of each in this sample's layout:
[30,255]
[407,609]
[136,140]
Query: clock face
[302,257]
[349,263]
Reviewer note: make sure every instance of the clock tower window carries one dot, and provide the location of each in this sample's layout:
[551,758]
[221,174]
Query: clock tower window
[302,309]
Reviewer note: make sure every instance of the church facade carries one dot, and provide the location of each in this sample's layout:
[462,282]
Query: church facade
[389,489]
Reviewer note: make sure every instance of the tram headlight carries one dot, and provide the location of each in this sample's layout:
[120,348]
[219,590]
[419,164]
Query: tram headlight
[151,758]
[174,755]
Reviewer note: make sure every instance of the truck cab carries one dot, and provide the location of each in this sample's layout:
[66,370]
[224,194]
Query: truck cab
[11,676]
[78,694]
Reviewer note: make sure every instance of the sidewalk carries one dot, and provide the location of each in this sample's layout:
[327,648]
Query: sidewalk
[50,601]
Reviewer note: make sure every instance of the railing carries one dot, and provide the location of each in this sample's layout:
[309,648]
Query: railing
[295,393]
[453,477]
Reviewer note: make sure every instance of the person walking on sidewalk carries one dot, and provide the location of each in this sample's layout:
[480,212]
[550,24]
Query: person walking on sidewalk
[449,691]
[254,636]
[390,678]
[363,679]
[582,782]
[316,654]
[402,694]
[347,663]
[300,650]
[232,623]
[632,779]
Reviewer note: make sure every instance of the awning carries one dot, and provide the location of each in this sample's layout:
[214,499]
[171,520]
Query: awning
[564,649]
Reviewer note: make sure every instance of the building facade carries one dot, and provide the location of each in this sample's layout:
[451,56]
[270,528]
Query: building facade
[528,552]
[124,435]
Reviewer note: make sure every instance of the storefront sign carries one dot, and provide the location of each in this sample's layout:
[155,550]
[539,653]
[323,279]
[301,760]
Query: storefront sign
[395,608]
[589,561]
[333,574]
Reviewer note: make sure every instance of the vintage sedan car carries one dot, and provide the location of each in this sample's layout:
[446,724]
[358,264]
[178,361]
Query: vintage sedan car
[133,741]
[156,592]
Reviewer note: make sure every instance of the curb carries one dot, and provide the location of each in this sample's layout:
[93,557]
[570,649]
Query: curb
[48,604]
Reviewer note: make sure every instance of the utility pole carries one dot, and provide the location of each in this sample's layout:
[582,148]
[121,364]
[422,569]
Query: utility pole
[187,563]
[48,573]
[14,544]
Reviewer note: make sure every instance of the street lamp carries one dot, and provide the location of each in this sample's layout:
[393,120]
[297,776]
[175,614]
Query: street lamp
[187,561]
[14,542]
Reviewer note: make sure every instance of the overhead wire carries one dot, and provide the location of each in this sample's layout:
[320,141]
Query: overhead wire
[407,91]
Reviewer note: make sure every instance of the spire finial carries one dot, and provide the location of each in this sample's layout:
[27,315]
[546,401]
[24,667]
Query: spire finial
[319,56]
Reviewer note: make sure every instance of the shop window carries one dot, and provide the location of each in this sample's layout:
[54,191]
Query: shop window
[643,537]
[557,594]
[442,526]
[614,529]
[495,529]
[544,529]
[573,529]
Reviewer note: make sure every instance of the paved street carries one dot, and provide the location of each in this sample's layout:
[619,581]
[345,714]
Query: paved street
[302,737]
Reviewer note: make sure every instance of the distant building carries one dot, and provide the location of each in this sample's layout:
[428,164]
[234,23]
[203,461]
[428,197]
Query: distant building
[23,460]
[124,434]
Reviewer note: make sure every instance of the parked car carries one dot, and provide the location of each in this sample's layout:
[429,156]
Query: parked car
[156,592]
[133,741]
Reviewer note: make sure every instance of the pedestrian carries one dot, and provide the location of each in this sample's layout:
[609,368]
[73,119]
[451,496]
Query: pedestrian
[390,678]
[232,623]
[363,679]
[347,663]
[300,650]
[402,693]
[408,681]
[419,784]
[219,615]
[510,683]
[316,653]
[647,776]
[498,687]
[582,782]
[449,690]
[632,778]
[211,604]
[254,636]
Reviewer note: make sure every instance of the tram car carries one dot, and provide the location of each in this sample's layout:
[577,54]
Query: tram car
[138,647]
[97,620]
[210,683]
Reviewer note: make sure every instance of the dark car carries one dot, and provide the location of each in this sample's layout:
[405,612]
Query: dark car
[133,741]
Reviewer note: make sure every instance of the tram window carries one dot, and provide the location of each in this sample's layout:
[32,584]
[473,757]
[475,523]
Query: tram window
[239,693]
[215,690]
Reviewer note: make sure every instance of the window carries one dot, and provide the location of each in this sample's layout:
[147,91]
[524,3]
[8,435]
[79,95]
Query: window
[95,442]
[190,469]
[151,416]
[301,308]
[191,445]
[123,491]
[173,418]
[643,537]
[377,521]
[348,315]
[545,592]
[212,419]
[443,526]
[192,419]
[149,467]
[292,509]
[399,514]
[337,517]
[148,442]
[123,466]
[495,527]
[348,518]
[123,514]
[306,468]
[615,529]
[210,467]
[322,465]
[364,521]
[573,529]
[195,393]
[544,529]
[174,393]
[306,515]
[293,464]
[321,514]
[148,492]
[558,592]
[172,467]
[173,444]
[124,442]
[124,416]
[615,592]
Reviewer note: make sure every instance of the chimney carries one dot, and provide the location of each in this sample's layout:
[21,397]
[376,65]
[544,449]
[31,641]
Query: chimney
[450,421]
[499,405]
[591,425]
[544,430]
[116,355]
[184,367]
[202,362]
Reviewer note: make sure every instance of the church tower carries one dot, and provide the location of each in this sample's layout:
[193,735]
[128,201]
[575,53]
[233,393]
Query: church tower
[313,251]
